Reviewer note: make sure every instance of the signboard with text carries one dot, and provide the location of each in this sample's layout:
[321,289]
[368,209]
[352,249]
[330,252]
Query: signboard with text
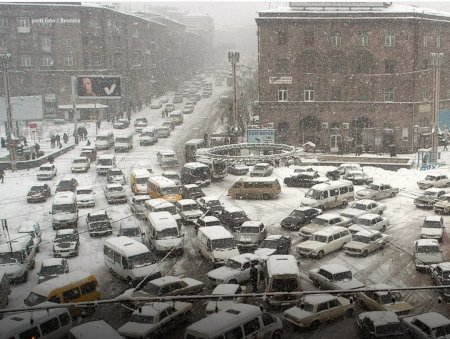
[280,80]
[261,135]
[98,87]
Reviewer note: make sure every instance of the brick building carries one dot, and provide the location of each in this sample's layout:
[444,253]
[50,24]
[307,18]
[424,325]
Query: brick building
[349,74]
[51,42]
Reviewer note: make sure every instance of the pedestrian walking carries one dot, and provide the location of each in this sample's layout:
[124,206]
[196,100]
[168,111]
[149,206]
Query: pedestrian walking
[80,133]
[58,140]
[445,145]
[50,159]
[88,143]
[25,143]
[254,275]
[2,174]
[65,137]
[52,141]
[277,162]
[98,123]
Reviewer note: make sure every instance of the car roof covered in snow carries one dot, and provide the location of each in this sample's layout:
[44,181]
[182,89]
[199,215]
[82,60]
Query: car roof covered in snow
[365,201]
[81,158]
[195,165]
[142,197]
[245,257]
[380,318]
[366,233]
[168,279]
[47,166]
[64,197]
[427,242]
[209,218]
[159,203]
[265,164]
[162,220]
[114,186]
[16,241]
[106,156]
[162,181]
[258,179]
[334,268]
[444,265]
[329,184]
[167,151]
[82,188]
[433,218]
[215,232]
[433,319]
[126,245]
[282,265]
[67,231]
[233,209]
[318,299]
[275,237]
[52,261]
[368,216]
[97,213]
[385,287]
[226,289]
[328,216]
[191,186]
[153,308]
[94,330]
[251,223]
[48,286]
[330,230]
[184,202]
[434,190]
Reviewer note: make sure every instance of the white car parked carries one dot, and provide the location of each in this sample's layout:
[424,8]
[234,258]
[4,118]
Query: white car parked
[361,207]
[80,164]
[235,271]
[115,193]
[262,169]
[437,180]
[427,325]
[334,277]
[432,228]
[323,242]
[85,196]
[369,222]
[426,253]
[365,242]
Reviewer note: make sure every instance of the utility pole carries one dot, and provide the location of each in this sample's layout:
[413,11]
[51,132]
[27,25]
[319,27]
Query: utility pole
[233,58]
[5,60]
[436,59]
[74,107]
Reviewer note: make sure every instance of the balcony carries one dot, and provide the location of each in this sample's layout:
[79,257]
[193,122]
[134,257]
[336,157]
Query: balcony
[26,29]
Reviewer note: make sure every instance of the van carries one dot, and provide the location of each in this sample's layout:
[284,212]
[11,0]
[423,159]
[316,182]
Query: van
[329,195]
[105,162]
[149,136]
[196,173]
[104,140]
[216,244]
[139,179]
[89,152]
[17,257]
[161,187]
[47,324]
[255,188]
[130,259]
[191,147]
[163,132]
[64,211]
[94,330]
[176,117]
[72,287]
[167,158]
[160,205]
[163,233]
[236,321]
[5,290]
[123,143]
[282,275]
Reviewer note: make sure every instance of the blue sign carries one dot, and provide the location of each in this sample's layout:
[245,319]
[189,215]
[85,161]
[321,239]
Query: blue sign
[261,136]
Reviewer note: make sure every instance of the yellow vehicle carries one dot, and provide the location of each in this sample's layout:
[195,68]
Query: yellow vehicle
[138,180]
[162,187]
[72,287]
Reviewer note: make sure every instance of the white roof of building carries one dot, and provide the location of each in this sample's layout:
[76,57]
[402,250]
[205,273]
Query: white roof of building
[282,264]
[215,232]
[62,280]
[334,268]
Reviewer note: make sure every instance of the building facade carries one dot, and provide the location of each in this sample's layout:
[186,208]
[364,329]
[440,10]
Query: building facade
[50,43]
[342,75]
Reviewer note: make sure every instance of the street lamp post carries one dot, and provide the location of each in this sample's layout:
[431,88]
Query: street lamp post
[436,59]
[233,58]
[5,60]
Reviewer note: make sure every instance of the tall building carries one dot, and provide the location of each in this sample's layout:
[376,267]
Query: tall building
[347,74]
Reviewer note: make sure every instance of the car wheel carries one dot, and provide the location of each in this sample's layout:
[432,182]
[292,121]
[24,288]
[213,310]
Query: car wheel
[365,253]
[316,283]
[344,204]
[383,229]
[187,316]
[315,324]
[392,195]
[25,277]
[320,255]
[276,335]
[266,197]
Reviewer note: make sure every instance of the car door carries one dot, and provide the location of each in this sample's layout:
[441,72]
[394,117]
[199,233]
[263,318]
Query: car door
[322,312]
[326,280]
[244,273]
[334,309]
[334,242]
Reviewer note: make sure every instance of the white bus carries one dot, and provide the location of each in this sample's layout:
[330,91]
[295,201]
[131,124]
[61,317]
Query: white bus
[329,195]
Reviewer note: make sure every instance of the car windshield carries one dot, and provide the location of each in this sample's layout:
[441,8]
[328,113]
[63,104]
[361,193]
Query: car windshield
[189,207]
[373,187]
[36,189]
[386,298]
[66,238]
[86,191]
[358,206]
[342,276]
[115,189]
[34,299]
[151,289]
[363,222]
[213,203]
[389,329]
[284,285]
[10,257]
[222,244]
[104,162]
[98,217]
[320,221]
[313,194]
[268,244]
[432,224]
[259,168]
[172,176]
[430,193]
[49,270]
[171,232]
[131,232]
[249,229]
[142,259]
[122,139]
[307,307]
[446,275]
[428,249]
[65,208]
[319,238]
[233,264]
[80,161]
[297,214]
[236,215]
[430,177]
[142,319]
[170,190]
[141,181]
[361,238]
[46,169]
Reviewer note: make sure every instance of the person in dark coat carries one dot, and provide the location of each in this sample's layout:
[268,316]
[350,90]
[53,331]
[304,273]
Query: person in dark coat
[52,141]
[254,275]
[2,174]
[50,159]
[65,137]
[58,140]
[445,145]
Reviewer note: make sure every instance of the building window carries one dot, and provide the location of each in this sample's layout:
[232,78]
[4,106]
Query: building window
[308,94]
[309,38]
[67,42]
[389,66]
[363,39]
[23,22]
[46,44]
[2,44]
[25,60]
[427,41]
[4,22]
[282,94]
[282,38]
[282,66]
[68,61]
[389,39]
[438,41]
[389,94]
[336,94]
[47,61]
[425,95]
[336,39]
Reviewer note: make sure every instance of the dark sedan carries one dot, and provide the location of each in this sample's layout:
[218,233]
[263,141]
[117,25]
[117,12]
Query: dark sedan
[304,180]
[67,185]
[237,168]
[299,217]
[39,193]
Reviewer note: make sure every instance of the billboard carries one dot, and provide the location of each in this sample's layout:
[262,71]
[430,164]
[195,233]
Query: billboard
[23,108]
[261,135]
[98,86]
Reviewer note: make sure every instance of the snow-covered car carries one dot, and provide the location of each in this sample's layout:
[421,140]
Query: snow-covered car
[426,253]
[67,185]
[321,222]
[167,158]
[427,325]
[334,277]
[323,242]
[306,179]
[169,107]
[237,168]
[80,164]
[34,230]
[51,268]
[249,235]
[434,180]
[156,104]
[207,221]
[314,310]
[210,205]
[429,197]
[343,169]
[262,169]
[440,273]
[299,217]
[153,319]
[66,243]
[235,271]
[115,193]
[17,257]
[164,99]
[369,222]
[140,123]
[233,217]
[188,109]
[163,131]
[215,306]
[274,244]
[377,191]
[380,324]
[177,99]
[304,170]
[39,192]
[365,242]
[132,231]
[361,207]
[387,300]
[174,176]
[99,223]
[358,178]
[149,136]
[432,228]
[89,152]
[191,191]
[46,172]
[115,176]
[168,124]
[443,205]
[137,205]
[85,196]
[169,285]
[188,209]
[121,124]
